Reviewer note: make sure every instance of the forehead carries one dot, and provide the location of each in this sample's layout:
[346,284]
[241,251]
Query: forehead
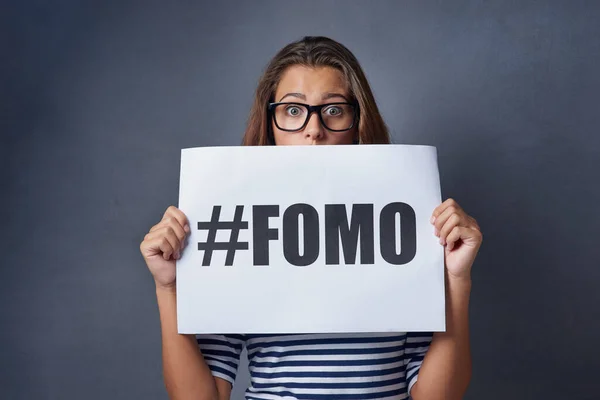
[308,80]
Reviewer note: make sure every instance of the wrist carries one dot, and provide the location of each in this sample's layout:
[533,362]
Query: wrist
[166,289]
[459,286]
[460,281]
[463,279]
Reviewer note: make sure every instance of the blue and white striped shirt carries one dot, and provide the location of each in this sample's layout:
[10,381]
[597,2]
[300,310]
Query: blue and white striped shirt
[320,366]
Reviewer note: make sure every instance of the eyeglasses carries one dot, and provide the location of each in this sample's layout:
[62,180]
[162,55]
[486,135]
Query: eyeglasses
[293,117]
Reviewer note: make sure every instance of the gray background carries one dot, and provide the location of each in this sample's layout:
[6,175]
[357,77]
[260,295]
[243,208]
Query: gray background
[97,99]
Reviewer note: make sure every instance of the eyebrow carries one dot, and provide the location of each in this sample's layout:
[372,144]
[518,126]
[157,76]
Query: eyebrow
[330,95]
[299,95]
[325,96]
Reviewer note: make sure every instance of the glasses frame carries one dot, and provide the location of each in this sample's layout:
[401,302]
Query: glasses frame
[317,109]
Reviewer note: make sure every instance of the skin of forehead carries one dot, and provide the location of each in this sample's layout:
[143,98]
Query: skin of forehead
[312,82]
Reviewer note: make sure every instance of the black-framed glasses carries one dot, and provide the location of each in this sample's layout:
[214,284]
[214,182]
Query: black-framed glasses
[293,117]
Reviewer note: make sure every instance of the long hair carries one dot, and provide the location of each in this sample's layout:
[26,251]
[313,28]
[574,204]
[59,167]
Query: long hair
[315,51]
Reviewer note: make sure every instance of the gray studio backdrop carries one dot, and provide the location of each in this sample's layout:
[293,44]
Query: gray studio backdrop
[97,99]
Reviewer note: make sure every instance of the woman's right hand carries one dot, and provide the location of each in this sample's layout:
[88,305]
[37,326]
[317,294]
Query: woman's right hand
[163,245]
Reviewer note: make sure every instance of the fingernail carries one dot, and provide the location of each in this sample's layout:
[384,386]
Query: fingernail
[177,256]
[432,220]
[186,228]
[436,232]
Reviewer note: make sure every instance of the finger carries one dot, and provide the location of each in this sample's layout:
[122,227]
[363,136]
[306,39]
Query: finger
[441,220]
[453,237]
[157,245]
[442,207]
[474,223]
[181,236]
[469,237]
[171,222]
[176,213]
[171,214]
[155,227]
[169,235]
[452,222]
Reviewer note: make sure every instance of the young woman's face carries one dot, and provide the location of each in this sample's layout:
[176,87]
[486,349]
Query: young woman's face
[312,86]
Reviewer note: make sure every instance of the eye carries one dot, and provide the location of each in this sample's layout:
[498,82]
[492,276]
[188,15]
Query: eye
[293,111]
[333,111]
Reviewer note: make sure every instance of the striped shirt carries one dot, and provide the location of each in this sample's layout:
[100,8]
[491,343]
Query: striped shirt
[320,366]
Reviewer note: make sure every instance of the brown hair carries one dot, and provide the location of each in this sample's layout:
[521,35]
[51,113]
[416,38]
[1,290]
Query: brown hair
[315,51]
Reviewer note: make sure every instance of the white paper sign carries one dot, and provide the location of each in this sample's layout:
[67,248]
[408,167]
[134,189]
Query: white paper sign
[310,239]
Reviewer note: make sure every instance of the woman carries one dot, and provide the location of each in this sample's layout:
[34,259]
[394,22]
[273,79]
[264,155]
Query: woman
[315,92]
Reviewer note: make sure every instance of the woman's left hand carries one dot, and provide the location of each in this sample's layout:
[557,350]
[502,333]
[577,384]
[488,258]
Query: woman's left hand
[459,233]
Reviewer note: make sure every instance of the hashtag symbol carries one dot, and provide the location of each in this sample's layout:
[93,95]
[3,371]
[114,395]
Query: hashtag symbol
[215,225]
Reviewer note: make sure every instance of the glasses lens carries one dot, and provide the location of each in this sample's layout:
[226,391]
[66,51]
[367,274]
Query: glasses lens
[290,116]
[338,117]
